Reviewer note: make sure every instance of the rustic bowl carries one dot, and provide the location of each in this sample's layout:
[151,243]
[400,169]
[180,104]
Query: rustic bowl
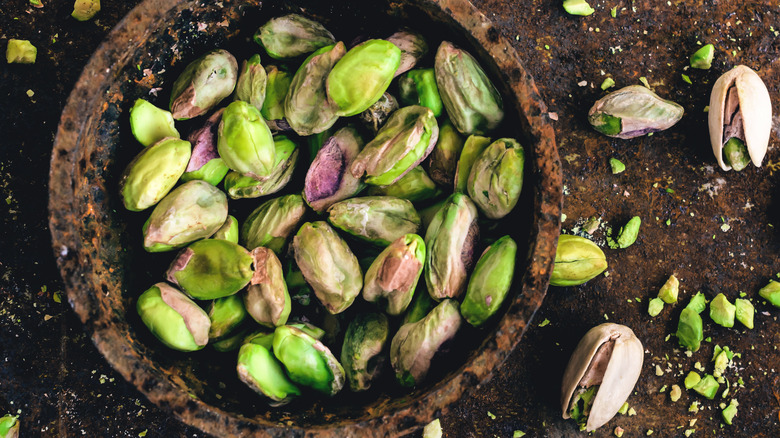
[97,242]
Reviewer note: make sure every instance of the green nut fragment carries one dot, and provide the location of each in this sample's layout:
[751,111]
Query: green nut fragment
[433,429]
[690,329]
[629,232]
[173,318]
[577,261]
[278,82]
[616,166]
[730,411]
[243,186]
[418,87]
[406,139]
[415,186]
[414,345]
[669,290]
[413,48]
[722,362]
[607,84]
[308,361]
[267,300]
[735,154]
[489,283]
[698,303]
[392,277]
[244,141]
[707,387]
[292,35]
[472,149]
[150,124]
[226,315]
[450,241]
[262,372]
[471,100]
[9,426]
[203,84]
[702,58]
[251,83]
[376,219]
[633,111]
[271,223]
[153,173]
[83,10]
[205,163]
[362,75]
[228,231]
[443,162]
[328,179]
[496,178]
[722,312]
[328,265]
[692,379]
[745,312]
[20,52]
[578,7]
[362,352]
[377,114]
[307,108]
[675,393]
[771,293]
[655,307]
[211,268]
[194,210]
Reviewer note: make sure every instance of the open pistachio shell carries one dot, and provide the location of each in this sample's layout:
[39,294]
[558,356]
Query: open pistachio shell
[610,356]
[740,107]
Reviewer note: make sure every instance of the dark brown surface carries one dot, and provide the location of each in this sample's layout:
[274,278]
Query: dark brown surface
[53,374]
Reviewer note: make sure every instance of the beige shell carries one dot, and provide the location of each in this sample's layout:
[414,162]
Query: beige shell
[756,109]
[616,373]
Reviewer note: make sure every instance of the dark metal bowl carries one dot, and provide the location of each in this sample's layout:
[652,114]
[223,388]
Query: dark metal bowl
[97,242]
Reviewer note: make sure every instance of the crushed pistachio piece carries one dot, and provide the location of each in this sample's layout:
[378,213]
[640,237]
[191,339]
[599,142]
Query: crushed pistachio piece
[578,7]
[623,409]
[675,393]
[607,84]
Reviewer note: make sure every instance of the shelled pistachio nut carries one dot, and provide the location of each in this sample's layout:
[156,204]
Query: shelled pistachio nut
[418,87]
[415,186]
[377,114]
[292,35]
[392,277]
[153,173]
[633,111]
[496,178]
[413,48]
[472,148]
[362,352]
[244,141]
[308,361]
[278,82]
[205,162]
[328,265]
[421,305]
[609,358]
[194,210]
[328,179]
[260,370]
[173,318]
[407,138]
[150,124]
[415,344]
[226,315]
[307,107]
[266,298]
[740,108]
[271,223]
[9,426]
[240,186]
[771,293]
[577,260]
[443,162]
[251,83]
[489,283]
[211,268]
[203,84]
[376,219]
[228,231]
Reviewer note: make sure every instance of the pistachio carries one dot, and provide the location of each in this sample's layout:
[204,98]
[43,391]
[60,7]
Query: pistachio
[153,173]
[9,426]
[413,48]
[740,108]
[20,52]
[633,111]
[496,178]
[745,312]
[415,186]
[609,358]
[173,318]
[669,290]
[392,277]
[328,179]
[421,305]
[271,223]
[203,84]
[244,141]
[308,361]
[275,92]
[690,330]
[376,219]
[245,186]
[228,231]
[377,114]
[211,268]
[292,35]
[771,293]
[226,315]
[418,87]
[472,148]
[629,232]
[489,284]
[83,10]
[362,352]
[577,260]
[306,106]
[702,58]
[267,300]
[261,371]
[251,83]
[150,124]
[205,162]
[443,162]
[578,7]
[722,312]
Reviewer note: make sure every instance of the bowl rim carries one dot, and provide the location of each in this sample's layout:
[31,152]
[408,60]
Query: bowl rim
[545,228]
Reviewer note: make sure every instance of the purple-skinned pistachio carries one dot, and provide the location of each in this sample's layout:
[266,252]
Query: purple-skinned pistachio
[266,298]
[211,268]
[328,179]
[205,163]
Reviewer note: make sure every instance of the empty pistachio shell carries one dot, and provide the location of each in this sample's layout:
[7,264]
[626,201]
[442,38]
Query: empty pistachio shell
[244,141]
[609,357]
[192,211]
[228,230]
[150,124]
[450,241]
[377,114]
[211,268]
[275,92]
[226,315]
[205,162]
[266,298]
[418,87]
[496,178]
[308,361]
[577,260]
[415,186]
[262,372]
[489,284]
[271,223]
[203,84]
[413,48]
[401,144]
[251,84]
[361,353]
[376,219]
[392,277]
[173,318]
[740,108]
[244,186]
[292,35]
[633,111]
[328,265]
[153,173]
[415,344]
[471,100]
[328,179]
[307,107]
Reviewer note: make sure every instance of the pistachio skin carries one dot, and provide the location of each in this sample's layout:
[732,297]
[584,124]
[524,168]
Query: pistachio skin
[740,107]
[377,114]
[489,283]
[308,361]
[271,223]
[153,173]
[361,352]
[173,318]
[292,35]
[211,268]
[244,141]
[150,124]
[577,260]
[413,48]
[226,315]
[376,219]
[251,83]
[616,377]
[203,84]
[205,162]
[633,111]
[266,298]
[194,210]
[260,370]
[307,107]
[328,179]
[392,277]
[496,178]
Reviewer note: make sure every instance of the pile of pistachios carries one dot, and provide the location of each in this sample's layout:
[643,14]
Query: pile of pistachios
[394,187]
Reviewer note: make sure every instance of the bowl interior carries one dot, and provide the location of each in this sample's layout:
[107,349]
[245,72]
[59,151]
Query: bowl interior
[98,243]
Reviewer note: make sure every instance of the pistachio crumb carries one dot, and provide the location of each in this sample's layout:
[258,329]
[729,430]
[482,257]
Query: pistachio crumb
[631,412]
